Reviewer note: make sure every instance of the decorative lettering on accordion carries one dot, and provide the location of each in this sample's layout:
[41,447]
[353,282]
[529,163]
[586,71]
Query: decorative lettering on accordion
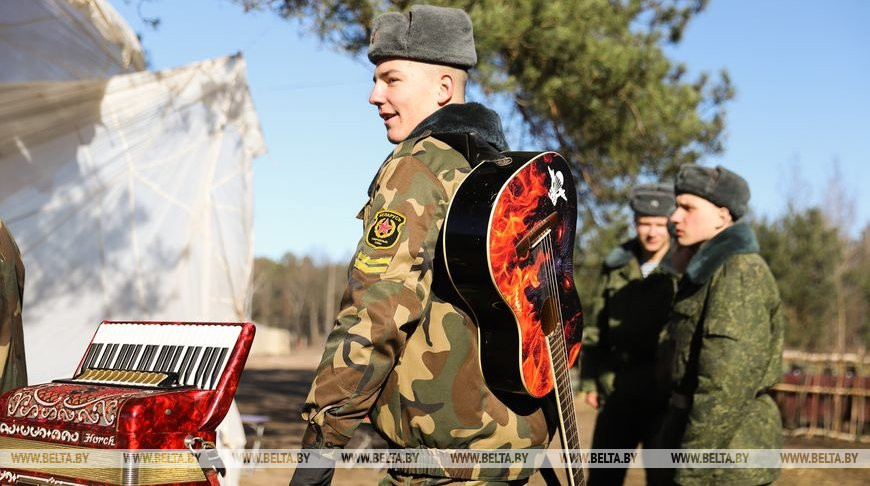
[39,433]
[88,406]
[8,477]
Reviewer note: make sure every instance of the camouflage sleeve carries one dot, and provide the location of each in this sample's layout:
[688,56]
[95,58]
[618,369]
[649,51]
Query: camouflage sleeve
[733,357]
[388,291]
[589,351]
[13,368]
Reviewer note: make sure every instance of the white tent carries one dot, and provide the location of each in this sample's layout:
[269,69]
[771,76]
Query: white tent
[63,40]
[129,192]
[130,195]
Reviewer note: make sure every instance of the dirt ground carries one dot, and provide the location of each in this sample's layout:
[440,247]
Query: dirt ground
[276,387]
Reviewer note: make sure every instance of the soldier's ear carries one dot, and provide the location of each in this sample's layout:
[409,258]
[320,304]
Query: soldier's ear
[724,216]
[446,88]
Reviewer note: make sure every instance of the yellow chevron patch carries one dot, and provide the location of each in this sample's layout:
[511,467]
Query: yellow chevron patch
[367,264]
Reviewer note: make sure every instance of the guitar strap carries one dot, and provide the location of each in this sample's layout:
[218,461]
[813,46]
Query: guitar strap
[474,148]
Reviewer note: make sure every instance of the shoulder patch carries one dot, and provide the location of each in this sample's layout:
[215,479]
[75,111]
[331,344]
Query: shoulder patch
[386,229]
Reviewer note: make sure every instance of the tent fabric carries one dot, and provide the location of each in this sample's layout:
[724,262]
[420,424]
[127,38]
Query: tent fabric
[62,40]
[130,198]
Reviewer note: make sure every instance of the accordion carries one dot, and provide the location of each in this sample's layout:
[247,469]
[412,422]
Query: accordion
[140,386]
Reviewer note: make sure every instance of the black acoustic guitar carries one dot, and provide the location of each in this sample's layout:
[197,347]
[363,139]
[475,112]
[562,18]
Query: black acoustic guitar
[508,243]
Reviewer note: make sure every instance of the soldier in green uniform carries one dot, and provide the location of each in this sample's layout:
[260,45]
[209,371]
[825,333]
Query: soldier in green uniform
[399,353]
[13,369]
[723,350]
[619,342]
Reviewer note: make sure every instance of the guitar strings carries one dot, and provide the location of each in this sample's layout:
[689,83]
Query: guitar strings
[576,472]
[566,400]
[556,309]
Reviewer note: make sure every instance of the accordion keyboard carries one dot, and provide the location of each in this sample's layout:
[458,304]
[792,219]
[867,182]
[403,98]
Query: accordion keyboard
[158,355]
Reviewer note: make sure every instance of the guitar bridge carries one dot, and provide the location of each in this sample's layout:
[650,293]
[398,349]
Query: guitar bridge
[537,233]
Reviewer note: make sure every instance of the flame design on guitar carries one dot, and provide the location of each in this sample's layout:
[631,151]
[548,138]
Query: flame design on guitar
[508,245]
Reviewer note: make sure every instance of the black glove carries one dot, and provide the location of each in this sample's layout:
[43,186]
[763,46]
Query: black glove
[319,471]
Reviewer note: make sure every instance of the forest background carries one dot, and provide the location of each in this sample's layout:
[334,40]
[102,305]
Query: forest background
[591,78]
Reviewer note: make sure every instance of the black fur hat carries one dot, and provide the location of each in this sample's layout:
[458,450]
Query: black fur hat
[720,186]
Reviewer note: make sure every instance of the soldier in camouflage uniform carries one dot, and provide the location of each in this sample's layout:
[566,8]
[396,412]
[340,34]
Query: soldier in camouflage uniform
[399,353]
[13,370]
[723,350]
[620,341]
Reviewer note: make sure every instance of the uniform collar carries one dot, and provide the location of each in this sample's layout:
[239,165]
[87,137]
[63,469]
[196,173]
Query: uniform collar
[624,253]
[736,239]
[621,255]
[459,118]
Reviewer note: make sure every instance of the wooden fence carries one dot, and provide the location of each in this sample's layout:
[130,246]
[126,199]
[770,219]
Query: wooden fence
[825,395]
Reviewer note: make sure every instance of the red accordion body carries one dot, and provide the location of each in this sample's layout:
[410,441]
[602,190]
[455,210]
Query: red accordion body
[140,385]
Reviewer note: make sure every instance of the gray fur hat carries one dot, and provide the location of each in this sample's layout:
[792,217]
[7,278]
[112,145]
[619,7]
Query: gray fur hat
[652,200]
[720,186]
[426,33]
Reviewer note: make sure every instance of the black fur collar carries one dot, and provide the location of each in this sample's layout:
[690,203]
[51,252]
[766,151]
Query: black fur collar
[465,118]
[736,239]
[621,255]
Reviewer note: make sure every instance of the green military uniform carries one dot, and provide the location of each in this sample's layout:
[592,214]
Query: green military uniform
[13,370]
[723,353]
[619,347]
[398,352]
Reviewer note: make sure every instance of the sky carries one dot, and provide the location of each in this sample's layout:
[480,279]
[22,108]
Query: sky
[800,117]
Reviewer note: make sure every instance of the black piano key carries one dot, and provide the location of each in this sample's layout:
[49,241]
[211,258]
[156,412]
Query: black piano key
[122,355]
[112,353]
[119,358]
[92,355]
[203,364]
[100,363]
[100,348]
[160,358]
[209,368]
[185,362]
[104,348]
[215,374]
[131,358]
[143,357]
[147,357]
[174,360]
[109,355]
[172,356]
[88,356]
[162,364]
[188,370]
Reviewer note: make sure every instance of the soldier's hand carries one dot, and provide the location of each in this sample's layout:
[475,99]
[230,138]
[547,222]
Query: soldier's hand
[312,476]
[320,472]
[592,399]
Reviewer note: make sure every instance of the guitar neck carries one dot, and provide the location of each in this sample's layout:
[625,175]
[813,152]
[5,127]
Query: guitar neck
[565,407]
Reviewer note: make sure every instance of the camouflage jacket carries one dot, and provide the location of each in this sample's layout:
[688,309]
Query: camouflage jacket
[398,352]
[628,314]
[723,352]
[13,370]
